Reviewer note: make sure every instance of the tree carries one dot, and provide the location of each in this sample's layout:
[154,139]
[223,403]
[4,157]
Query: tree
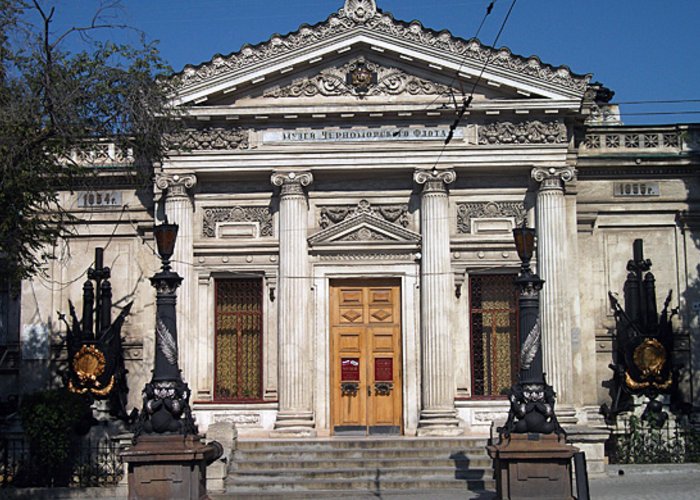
[54,103]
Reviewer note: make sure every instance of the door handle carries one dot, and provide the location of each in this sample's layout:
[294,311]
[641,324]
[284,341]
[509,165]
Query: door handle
[369,391]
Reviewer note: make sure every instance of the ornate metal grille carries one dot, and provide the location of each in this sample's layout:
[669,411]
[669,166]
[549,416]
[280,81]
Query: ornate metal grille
[239,328]
[495,343]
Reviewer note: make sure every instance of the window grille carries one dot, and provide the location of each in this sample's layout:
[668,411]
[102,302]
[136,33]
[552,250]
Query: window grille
[495,343]
[239,330]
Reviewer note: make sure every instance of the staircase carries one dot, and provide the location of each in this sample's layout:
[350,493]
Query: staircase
[358,467]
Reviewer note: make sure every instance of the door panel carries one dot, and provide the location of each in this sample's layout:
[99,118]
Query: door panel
[366,384]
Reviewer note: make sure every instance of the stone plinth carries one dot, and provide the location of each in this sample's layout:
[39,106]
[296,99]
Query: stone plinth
[165,467]
[533,466]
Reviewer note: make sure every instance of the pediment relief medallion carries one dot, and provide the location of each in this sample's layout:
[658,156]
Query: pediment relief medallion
[258,217]
[364,14]
[208,139]
[359,78]
[528,132]
[395,214]
[467,213]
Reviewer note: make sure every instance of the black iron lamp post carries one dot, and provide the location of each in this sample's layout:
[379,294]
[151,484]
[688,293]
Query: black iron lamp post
[166,407]
[531,398]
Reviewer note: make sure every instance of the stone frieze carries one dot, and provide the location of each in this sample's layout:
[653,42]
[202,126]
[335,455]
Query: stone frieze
[339,81]
[528,132]
[260,215]
[211,139]
[488,210]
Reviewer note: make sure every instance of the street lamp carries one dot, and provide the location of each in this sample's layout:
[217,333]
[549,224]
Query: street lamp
[531,398]
[166,407]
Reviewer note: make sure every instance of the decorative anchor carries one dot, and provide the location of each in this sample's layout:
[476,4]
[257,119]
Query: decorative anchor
[95,351]
[644,343]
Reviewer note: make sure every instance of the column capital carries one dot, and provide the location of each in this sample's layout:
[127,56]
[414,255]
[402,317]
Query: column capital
[291,182]
[553,177]
[435,180]
[176,184]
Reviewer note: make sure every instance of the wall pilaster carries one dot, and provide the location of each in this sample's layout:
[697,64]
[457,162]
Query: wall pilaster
[295,414]
[438,414]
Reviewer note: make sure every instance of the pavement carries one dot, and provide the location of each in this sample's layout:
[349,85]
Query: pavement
[622,482]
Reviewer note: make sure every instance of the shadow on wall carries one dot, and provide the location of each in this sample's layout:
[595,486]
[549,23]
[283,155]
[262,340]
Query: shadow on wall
[688,343]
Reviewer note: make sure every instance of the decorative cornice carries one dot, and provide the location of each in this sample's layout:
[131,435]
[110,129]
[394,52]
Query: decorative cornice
[553,177]
[292,183]
[396,214]
[209,139]
[435,180]
[259,215]
[488,210]
[529,132]
[343,81]
[176,184]
[363,15]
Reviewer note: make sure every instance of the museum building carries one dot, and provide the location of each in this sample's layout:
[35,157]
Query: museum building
[345,233]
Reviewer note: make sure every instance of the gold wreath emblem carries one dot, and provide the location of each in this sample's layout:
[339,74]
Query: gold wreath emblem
[89,363]
[361,77]
[650,357]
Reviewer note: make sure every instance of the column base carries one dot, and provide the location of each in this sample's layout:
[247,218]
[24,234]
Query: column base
[294,424]
[439,423]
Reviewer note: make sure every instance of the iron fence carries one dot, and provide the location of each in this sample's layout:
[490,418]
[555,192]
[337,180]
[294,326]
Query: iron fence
[92,463]
[637,442]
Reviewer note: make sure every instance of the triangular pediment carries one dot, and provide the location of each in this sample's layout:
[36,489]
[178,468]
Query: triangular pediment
[360,26]
[364,226]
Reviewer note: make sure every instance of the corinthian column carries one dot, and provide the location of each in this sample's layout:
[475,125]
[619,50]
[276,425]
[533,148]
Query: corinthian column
[295,415]
[179,209]
[552,266]
[438,416]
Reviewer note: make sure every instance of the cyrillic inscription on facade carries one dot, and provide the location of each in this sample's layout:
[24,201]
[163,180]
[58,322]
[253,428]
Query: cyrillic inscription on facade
[636,189]
[360,135]
[99,199]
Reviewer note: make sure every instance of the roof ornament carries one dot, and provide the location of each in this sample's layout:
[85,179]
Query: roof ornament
[359,10]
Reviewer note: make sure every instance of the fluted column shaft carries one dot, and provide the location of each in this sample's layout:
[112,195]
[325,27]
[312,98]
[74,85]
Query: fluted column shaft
[552,265]
[438,414]
[295,396]
[179,209]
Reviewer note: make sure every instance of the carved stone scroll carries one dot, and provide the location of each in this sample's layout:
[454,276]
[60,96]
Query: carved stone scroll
[214,138]
[529,132]
[396,214]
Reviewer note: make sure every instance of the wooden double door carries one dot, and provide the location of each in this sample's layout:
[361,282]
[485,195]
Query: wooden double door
[366,382]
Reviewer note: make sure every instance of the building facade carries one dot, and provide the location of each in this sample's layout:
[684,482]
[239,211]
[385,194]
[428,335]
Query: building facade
[346,243]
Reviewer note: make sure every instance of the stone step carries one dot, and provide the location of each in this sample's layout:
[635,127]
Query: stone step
[364,462]
[331,454]
[461,492]
[364,443]
[406,474]
[352,484]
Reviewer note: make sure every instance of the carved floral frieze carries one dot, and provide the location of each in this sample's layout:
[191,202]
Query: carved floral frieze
[466,212]
[359,78]
[259,215]
[396,214]
[362,14]
[208,139]
[528,132]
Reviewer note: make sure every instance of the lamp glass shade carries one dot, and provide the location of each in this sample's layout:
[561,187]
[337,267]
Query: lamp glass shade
[524,242]
[165,239]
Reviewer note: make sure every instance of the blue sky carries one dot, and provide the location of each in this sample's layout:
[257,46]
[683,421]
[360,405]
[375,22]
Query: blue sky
[642,49]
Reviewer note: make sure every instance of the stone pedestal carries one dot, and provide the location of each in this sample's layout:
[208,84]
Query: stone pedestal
[166,467]
[226,435]
[533,466]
